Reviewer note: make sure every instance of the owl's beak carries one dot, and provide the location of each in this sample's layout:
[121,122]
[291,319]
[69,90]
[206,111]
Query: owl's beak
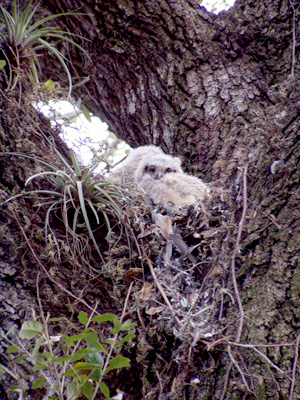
[158,175]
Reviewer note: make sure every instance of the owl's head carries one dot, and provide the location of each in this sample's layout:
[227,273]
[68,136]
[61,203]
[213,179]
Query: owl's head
[157,166]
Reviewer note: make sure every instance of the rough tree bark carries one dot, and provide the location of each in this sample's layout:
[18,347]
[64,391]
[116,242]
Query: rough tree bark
[172,74]
[222,92]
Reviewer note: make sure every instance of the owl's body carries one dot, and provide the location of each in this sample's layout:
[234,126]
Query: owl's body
[161,177]
[124,172]
[175,190]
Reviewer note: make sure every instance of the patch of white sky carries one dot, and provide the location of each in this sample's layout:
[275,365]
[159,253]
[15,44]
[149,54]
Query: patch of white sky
[217,6]
[83,135]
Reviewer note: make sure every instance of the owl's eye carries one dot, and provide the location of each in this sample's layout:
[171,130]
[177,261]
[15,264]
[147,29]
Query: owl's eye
[150,168]
[168,170]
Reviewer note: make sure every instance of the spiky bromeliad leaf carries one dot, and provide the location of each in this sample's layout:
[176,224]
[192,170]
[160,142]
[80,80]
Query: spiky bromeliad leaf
[72,190]
[86,218]
[24,39]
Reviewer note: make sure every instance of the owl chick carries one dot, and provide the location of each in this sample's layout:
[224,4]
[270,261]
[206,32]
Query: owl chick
[124,172]
[156,167]
[174,190]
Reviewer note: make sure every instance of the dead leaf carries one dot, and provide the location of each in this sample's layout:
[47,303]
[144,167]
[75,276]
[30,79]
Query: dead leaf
[260,379]
[133,271]
[164,224]
[182,246]
[155,310]
[145,233]
[174,386]
[145,291]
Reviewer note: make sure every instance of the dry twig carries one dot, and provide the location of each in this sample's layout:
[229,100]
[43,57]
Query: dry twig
[234,281]
[160,288]
[294,366]
[294,40]
[47,273]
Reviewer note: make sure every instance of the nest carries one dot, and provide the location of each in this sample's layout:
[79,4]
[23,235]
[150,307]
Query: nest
[179,265]
[175,265]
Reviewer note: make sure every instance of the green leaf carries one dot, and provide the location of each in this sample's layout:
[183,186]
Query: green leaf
[86,113]
[94,358]
[127,325]
[78,103]
[71,339]
[85,366]
[82,368]
[30,329]
[11,349]
[97,374]
[92,340]
[117,327]
[73,388]
[117,363]
[83,353]
[37,345]
[63,358]
[125,339]
[104,389]
[39,367]
[49,83]
[104,317]
[78,355]
[13,387]
[37,383]
[41,362]
[2,64]
[87,389]
[75,163]
[83,317]
[18,359]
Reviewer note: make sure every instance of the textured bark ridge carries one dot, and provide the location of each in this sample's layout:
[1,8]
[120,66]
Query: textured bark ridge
[222,92]
[198,85]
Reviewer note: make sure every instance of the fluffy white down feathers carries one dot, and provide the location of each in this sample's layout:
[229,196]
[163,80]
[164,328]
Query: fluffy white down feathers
[161,177]
[124,172]
[157,166]
[175,190]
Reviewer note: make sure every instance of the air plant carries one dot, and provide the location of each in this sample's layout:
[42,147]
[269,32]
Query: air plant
[76,190]
[21,39]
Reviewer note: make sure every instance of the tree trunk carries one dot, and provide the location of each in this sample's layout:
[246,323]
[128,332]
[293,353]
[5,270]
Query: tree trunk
[222,92]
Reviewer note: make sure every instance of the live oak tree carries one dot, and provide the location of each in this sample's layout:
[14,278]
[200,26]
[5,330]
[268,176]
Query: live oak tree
[222,92]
